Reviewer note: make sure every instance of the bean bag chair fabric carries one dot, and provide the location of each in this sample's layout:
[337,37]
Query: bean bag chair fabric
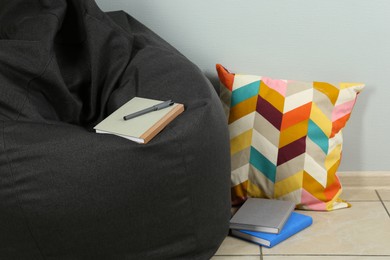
[69,193]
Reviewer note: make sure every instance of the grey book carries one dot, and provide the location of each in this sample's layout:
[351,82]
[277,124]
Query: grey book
[264,215]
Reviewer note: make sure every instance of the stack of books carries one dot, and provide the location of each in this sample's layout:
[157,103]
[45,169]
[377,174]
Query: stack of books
[140,119]
[268,222]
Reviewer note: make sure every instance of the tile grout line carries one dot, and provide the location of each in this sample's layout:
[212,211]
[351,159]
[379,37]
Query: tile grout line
[286,255]
[383,204]
[261,253]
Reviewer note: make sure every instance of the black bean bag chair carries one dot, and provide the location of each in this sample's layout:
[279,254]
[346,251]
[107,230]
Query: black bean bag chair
[69,193]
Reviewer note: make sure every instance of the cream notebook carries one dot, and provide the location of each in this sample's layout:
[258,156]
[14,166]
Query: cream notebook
[140,129]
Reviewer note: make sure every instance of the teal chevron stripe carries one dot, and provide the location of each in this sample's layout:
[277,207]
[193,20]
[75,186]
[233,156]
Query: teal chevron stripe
[263,164]
[318,136]
[245,92]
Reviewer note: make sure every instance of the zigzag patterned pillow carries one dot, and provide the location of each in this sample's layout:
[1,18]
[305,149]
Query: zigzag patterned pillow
[285,137]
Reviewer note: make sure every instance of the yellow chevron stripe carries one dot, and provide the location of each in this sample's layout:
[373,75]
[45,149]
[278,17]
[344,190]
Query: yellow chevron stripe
[255,191]
[240,142]
[333,157]
[321,120]
[242,109]
[329,90]
[344,85]
[332,179]
[272,96]
[239,190]
[312,186]
[288,185]
[293,133]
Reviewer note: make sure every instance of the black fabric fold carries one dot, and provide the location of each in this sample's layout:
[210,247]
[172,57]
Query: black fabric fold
[69,193]
[81,55]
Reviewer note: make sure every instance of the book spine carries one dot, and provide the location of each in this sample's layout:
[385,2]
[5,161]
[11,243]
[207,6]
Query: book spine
[163,122]
[257,240]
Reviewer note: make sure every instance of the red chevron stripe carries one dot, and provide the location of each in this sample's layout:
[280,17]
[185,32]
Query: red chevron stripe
[292,150]
[269,112]
[225,76]
[296,115]
[339,124]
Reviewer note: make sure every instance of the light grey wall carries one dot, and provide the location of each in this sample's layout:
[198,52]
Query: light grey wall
[323,40]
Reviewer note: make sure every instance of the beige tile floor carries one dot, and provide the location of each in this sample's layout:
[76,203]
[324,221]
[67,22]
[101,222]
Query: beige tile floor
[357,233]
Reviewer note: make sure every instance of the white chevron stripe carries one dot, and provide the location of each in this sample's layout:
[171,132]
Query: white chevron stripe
[297,100]
[315,170]
[240,175]
[323,103]
[226,110]
[243,80]
[260,180]
[347,95]
[294,196]
[265,147]
[339,205]
[336,140]
[241,125]
[314,150]
[225,97]
[264,127]
[290,168]
[240,158]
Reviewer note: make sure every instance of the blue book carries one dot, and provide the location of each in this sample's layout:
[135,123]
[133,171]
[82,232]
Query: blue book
[295,223]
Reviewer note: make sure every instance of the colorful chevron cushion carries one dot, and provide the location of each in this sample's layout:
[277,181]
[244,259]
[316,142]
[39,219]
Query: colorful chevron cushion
[285,137]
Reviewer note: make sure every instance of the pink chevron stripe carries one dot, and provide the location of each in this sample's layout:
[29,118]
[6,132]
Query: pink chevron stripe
[311,202]
[276,84]
[342,110]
